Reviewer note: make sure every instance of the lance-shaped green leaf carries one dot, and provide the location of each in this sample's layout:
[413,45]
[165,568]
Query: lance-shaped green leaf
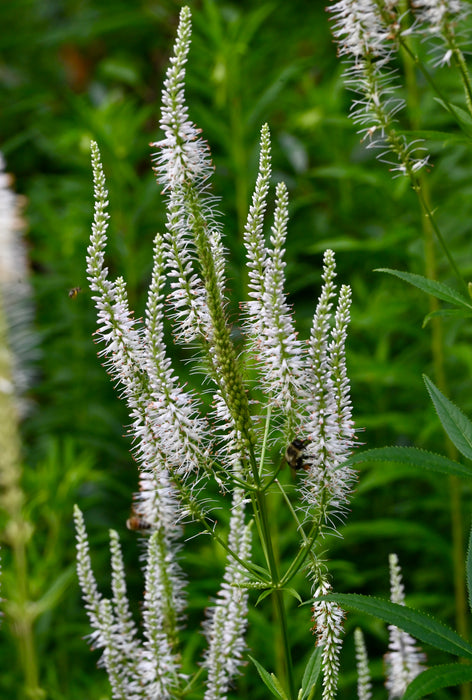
[270,680]
[462,117]
[420,625]
[453,314]
[436,289]
[444,676]
[311,674]
[413,457]
[455,423]
[468,566]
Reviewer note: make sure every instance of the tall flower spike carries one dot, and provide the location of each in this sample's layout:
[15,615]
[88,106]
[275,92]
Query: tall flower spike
[134,364]
[340,437]
[279,349]
[253,236]
[123,653]
[226,625]
[88,584]
[182,165]
[404,661]
[364,685]
[269,320]
[175,411]
[125,627]
[328,619]
[192,243]
[136,361]
[183,154]
[160,666]
[329,427]
[116,327]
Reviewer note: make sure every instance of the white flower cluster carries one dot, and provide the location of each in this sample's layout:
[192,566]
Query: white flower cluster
[364,684]
[367,33]
[227,621]
[439,19]
[404,660]
[16,309]
[328,618]
[275,391]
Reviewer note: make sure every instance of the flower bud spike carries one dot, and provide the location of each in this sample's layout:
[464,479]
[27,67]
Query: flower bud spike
[404,661]
[364,685]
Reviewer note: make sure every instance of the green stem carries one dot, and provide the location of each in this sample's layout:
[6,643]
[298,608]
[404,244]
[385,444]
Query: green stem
[437,347]
[464,73]
[199,515]
[277,594]
[304,551]
[262,522]
[430,217]
[418,64]
[282,616]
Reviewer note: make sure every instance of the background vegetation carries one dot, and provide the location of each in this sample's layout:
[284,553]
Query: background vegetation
[72,71]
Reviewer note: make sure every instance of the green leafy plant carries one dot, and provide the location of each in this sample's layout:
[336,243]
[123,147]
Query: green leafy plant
[276,400]
[370,51]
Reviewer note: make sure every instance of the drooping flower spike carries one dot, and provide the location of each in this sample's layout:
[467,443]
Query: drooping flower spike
[367,34]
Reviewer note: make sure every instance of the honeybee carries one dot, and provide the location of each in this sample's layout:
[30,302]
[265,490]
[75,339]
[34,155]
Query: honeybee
[74,292]
[137,524]
[294,455]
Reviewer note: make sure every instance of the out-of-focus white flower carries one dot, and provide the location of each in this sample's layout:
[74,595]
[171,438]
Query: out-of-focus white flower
[441,20]
[367,33]
[364,28]
[364,685]
[16,307]
[405,660]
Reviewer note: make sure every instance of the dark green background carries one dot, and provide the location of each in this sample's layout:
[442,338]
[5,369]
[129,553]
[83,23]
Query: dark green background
[75,71]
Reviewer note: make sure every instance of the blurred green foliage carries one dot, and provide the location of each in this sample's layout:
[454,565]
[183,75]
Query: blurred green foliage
[76,70]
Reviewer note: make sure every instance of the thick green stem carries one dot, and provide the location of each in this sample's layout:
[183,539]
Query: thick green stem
[464,73]
[265,531]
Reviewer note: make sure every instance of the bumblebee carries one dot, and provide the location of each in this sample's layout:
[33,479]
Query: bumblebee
[137,524]
[294,455]
[74,292]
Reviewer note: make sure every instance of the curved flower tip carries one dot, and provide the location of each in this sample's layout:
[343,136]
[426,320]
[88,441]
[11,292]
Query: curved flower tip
[184,156]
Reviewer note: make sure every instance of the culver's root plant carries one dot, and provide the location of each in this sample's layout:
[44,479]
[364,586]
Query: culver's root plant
[271,400]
